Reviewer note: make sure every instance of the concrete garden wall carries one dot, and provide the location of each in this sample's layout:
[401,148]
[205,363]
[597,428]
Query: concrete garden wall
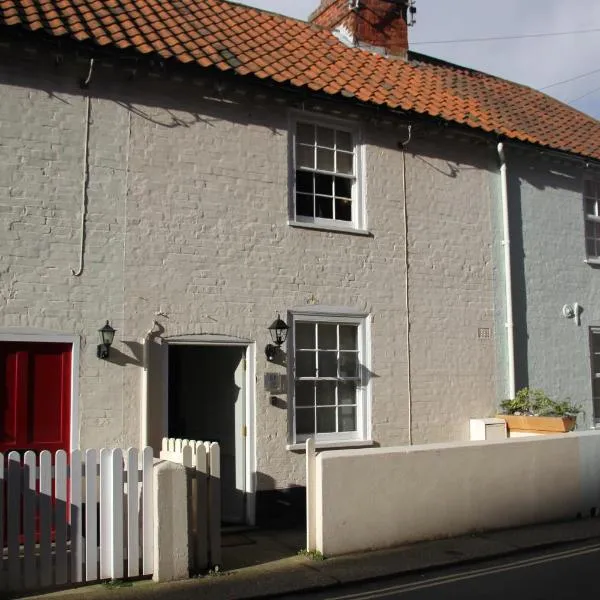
[382,497]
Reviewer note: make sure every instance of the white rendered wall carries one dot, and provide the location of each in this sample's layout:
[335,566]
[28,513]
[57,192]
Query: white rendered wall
[378,498]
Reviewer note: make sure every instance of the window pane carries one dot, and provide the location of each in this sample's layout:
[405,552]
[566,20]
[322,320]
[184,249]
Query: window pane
[343,187]
[345,163]
[327,337]
[327,364]
[324,184]
[325,160]
[305,393]
[326,393]
[348,364]
[326,420]
[596,388]
[589,229]
[596,342]
[590,247]
[325,137]
[305,205]
[305,336]
[347,418]
[344,140]
[588,188]
[304,182]
[343,209]
[348,337]
[305,133]
[305,420]
[347,392]
[305,364]
[324,207]
[305,156]
[590,207]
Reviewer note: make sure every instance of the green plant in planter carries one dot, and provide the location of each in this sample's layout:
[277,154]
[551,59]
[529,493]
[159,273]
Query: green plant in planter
[535,403]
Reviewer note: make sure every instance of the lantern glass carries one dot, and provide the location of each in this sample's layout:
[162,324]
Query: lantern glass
[278,331]
[107,334]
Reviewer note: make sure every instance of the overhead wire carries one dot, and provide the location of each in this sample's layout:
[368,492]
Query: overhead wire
[507,37]
[547,87]
[595,90]
[529,36]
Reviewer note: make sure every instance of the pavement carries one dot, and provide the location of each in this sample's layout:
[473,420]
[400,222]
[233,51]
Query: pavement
[259,564]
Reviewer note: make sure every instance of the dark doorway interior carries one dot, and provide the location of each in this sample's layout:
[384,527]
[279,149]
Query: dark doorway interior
[206,402]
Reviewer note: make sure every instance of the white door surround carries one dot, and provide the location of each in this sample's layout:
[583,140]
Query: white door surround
[249,403]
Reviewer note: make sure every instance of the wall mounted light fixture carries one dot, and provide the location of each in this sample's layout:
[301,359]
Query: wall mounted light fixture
[573,311]
[107,335]
[278,330]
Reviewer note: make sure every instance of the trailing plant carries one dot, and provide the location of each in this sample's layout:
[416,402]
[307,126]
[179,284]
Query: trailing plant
[535,403]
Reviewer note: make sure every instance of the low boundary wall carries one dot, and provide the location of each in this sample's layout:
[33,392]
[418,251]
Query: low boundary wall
[382,497]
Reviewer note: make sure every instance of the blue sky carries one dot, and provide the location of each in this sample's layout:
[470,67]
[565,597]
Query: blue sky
[536,62]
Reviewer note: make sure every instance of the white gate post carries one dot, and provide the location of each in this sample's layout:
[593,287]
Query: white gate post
[311,517]
[171,540]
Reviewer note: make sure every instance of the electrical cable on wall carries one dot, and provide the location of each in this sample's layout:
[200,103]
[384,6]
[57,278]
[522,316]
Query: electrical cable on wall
[86,168]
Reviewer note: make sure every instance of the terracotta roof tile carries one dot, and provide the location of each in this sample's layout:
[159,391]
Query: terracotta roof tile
[214,33]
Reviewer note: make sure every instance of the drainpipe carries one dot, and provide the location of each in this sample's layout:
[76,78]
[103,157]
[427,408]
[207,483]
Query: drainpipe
[510,327]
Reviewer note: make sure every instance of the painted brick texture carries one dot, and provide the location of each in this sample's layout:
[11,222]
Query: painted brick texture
[548,272]
[187,217]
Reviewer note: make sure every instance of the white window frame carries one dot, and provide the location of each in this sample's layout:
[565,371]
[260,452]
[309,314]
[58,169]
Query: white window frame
[358,224]
[588,218]
[336,316]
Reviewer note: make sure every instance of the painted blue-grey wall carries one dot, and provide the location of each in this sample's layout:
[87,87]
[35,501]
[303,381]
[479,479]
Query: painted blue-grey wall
[549,271]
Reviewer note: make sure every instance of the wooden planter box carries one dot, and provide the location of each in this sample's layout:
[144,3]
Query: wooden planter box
[546,425]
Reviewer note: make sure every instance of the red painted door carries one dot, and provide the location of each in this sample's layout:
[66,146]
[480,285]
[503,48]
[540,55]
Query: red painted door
[35,396]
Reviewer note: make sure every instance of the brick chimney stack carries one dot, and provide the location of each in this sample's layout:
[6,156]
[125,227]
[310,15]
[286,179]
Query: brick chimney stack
[380,25]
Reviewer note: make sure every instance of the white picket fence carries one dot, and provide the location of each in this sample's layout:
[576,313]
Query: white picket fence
[85,517]
[203,461]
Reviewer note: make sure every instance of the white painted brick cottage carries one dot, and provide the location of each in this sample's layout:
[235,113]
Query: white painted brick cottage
[190,170]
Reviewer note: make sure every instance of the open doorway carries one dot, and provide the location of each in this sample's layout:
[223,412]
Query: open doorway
[207,399]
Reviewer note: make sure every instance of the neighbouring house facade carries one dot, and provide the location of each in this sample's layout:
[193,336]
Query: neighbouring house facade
[188,191]
[554,235]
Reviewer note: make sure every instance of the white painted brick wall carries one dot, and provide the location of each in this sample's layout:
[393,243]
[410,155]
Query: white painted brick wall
[198,229]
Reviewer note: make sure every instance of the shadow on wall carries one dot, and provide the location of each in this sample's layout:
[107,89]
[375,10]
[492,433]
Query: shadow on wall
[519,287]
[283,508]
[136,91]
[522,173]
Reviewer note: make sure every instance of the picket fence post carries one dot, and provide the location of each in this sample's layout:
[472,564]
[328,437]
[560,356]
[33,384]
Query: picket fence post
[44,505]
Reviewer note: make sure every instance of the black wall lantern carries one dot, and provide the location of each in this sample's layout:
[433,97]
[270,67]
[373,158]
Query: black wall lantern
[278,330]
[107,335]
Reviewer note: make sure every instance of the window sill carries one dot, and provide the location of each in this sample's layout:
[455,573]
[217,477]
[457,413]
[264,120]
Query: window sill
[332,228]
[332,445]
[594,262]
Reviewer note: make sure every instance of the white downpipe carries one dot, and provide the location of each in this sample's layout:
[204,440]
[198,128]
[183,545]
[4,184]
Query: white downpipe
[510,327]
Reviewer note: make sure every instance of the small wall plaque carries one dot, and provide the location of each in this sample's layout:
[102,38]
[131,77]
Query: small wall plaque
[275,383]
